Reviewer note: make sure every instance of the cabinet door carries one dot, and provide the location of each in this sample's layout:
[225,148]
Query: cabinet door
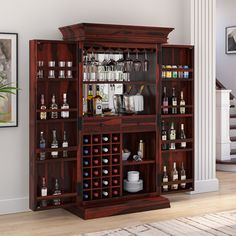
[53,73]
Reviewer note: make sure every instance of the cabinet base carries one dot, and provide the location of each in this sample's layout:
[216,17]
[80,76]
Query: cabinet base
[118,208]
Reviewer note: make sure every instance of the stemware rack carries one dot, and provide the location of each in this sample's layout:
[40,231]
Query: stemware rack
[91,178]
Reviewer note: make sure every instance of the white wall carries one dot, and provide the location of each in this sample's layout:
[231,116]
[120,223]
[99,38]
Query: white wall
[225,63]
[40,20]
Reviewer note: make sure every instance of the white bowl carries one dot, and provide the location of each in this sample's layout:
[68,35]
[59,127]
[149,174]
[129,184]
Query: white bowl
[133,176]
[125,156]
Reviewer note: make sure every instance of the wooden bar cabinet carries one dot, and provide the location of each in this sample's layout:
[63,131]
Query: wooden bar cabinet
[89,170]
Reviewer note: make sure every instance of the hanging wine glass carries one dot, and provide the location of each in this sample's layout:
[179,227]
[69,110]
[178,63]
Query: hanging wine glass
[128,64]
[137,64]
[120,63]
[145,63]
[111,62]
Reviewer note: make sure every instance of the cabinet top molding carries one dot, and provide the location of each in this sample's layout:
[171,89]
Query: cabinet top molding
[115,33]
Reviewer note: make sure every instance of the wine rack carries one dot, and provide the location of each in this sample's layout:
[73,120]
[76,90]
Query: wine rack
[101,166]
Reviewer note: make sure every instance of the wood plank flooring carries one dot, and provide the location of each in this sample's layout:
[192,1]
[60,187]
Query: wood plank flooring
[59,222]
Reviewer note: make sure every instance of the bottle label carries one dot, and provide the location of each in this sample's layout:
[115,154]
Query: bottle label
[44,192]
[175,177]
[182,110]
[163,137]
[183,145]
[65,144]
[183,177]
[98,108]
[174,103]
[172,135]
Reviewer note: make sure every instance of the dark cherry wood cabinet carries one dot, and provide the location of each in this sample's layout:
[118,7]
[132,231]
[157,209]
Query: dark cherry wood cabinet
[91,175]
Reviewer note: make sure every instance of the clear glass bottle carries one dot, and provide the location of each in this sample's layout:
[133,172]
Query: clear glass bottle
[165,179]
[97,101]
[44,192]
[65,145]
[165,102]
[54,144]
[183,176]
[43,114]
[182,103]
[173,102]
[57,191]
[54,106]
[174,176]
[65,106]
[164,146]
[172,136]
[42,145]
[182,136]
[90,101]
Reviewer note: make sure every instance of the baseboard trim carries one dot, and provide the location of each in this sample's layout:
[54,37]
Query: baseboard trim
[204,186]
[225,167]
[8,206]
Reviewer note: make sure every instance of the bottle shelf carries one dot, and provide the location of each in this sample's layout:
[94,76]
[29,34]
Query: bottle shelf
[177,191]
[46,68]
[56,120]
[176,116]
[63,195]
[122,116]
[59,159]
[144,162]
[43,80]
[178,150]
[38,150]
[63,205]
[176,80]
[57,110]
[188,140]
[146,82]
[177,182]
[177,69]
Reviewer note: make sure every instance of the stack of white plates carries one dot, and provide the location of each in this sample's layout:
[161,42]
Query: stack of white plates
[133,184]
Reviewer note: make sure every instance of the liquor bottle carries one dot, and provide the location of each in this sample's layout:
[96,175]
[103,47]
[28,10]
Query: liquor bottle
[65,106]
[174,176]
[165,179]
[90,101]
[164,146]
[182,136]
[86,184]
[54,114]
[42,145]
[105,172]
[165,102]
[97,101]
[84,107]
[105,139]
[105,193]
[141,149]
[57,191]
[182,103]
[65,145]
[105,182]
[43,114]
[44,193]
[173,102]
[172,136]
[183,176]
[105,150]
[54,144]
[105,161]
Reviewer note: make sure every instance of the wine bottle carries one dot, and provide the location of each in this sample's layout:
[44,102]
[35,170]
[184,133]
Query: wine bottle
[86,162]
[54,114]
[115,171]
[57,191]
[115,192]
[54,144]
[182,103]
[96,162]
[115,138]
[115,149]
[97,100]
[86,151]
[96,194]
[85,196]
[105,150]
[95,150]
[96,173]
[65,145]
[95,139]
[174,176]
[172,136]
[90,101]
[105,161]
[183,176]
[115,182]
[86,140]
[43,114]
[164,146]
[44,192]
[42,145]
[95,184]
[173,102]
[65,106]
[165,179]
[165,102]
[105,193]
[105,172]
[86,184]
[182,136]
[115,160]
[86,174]
[105,139]
[105,182]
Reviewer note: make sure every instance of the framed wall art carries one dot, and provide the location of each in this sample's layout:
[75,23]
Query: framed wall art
[8,79]
[230,40]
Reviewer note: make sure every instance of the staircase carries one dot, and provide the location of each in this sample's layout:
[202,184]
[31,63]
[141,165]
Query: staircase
[229,165]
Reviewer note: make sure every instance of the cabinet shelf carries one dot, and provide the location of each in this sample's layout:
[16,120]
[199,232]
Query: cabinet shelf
[64,205]
[38,150]
[176,116]
[73,68]
[57,110]
[146,82]
[178,150]
[56,120]
[176,80]
[144,162]
[59,159]
[177,191]
[43,80]
[177,69]
[107,117]
[177,182]
[188,140]
[61,196]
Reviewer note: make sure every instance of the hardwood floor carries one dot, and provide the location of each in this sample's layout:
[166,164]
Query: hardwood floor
[62,223]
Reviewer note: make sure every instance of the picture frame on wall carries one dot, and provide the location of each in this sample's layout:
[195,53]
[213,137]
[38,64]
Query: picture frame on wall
[230,40]
[9,77]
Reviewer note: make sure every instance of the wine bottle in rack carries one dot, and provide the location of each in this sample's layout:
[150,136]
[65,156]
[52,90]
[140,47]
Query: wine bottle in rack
[95,162]
[115,192]
[182,103]
[105,193]
[105,182]
[44,192]
[86,174]
[86,151]
[164,146]
[42,145]
[97,100]
[105,139]
[115,171]
[54,144]
[95,150]
[90,101]
[172,136]
[115,149]
[54,106]
[96,139]
[65,106]
[182,136]
[105,171]
[115,138]
[174,176]
[105,150]
[43,114]
[183,176]
[65,145]
[57,191]
[86,162]
[95,184]
[173,102]
[105,161]
[95,172]
[115,182]
[165,102]
[85,140]
[86,184]
[96,194]
[115,160]
[86,196]
[165,179]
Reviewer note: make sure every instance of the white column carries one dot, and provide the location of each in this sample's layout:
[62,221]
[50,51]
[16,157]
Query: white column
[222,125]
[203,38]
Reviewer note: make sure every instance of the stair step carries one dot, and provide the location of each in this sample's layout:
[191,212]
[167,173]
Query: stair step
[232,126]
[232,151]
[233,116]
[233,139]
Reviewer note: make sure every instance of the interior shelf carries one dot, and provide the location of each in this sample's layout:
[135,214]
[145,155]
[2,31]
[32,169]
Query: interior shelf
[143,162]
[61,196]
